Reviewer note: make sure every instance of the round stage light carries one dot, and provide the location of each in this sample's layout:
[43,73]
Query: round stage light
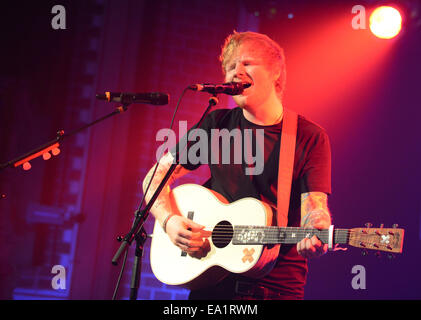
[385,22]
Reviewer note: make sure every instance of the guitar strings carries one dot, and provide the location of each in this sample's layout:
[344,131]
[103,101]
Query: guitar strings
[286,229]
[272,235]
[220,230]
[273,231]
[369,246]
[291,241]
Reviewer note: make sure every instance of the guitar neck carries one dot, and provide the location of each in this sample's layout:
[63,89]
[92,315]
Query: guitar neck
[285,235]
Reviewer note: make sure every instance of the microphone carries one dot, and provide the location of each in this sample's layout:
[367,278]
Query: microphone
[231,88]
[155,98]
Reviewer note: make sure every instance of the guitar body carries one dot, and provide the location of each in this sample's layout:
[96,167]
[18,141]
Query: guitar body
[206,207]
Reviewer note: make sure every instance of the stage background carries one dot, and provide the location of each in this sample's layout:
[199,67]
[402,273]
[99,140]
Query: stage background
[70,209]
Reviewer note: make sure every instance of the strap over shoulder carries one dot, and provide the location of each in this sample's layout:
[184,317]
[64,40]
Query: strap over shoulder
[286,165]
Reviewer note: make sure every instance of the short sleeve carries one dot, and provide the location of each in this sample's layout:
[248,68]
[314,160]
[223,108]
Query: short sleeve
[316,171]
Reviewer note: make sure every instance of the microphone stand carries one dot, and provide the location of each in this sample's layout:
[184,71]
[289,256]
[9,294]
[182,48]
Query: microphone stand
[55,143]
[137,231]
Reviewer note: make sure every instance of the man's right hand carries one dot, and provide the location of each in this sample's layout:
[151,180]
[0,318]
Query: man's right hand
[184,233]
[188,235]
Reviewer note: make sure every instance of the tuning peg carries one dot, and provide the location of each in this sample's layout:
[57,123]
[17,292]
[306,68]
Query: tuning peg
[368,225]
[364,252]
[391,256]
[378,254]
[395,225]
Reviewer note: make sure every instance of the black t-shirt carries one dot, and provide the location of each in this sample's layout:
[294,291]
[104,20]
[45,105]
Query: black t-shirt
[254,173]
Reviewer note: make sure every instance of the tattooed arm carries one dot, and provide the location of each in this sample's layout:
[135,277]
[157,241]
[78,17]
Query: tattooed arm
[314,210]
[184,233]
[314,214]
[162,205]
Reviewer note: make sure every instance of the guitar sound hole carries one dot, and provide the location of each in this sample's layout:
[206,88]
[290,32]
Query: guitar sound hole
[222,234]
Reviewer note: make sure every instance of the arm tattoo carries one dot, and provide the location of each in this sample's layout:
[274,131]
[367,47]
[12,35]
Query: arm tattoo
[314,210]
[161,170]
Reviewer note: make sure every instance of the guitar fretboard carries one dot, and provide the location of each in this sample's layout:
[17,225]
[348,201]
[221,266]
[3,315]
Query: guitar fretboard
[244,235]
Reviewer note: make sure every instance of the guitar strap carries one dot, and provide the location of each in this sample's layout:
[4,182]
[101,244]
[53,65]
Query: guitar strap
[286,165]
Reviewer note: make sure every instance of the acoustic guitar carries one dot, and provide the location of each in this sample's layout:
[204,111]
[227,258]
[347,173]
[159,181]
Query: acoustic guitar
[244,239]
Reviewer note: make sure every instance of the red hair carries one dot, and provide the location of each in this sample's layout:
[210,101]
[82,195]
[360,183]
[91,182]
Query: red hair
[273,53]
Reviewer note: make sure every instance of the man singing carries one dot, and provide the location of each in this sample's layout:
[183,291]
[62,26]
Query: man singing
[255,59]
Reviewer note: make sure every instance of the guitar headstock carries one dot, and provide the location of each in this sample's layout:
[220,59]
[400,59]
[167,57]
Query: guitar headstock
[381,239]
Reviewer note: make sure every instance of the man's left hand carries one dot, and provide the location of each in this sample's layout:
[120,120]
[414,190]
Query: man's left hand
[311,247]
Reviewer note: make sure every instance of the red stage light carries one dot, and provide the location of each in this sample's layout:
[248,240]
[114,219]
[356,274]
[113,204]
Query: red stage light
[26,166]
[55,151]
[46,156]
[385,22]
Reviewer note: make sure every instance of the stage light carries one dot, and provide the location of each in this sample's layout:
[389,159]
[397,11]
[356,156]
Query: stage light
[26,166]
[385,22]
[55,151]
[46,156]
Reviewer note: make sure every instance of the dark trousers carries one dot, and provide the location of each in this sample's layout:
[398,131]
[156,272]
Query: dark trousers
[241,289]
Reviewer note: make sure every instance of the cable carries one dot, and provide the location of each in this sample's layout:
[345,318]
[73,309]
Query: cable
[120,275]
